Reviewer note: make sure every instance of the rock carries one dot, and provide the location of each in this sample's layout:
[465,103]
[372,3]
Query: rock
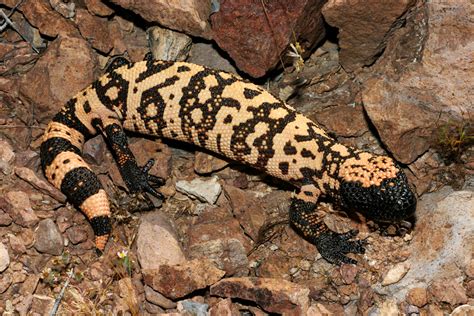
[363,27]
[49,22]
[207,55]
[24,305]
[448,291]
[470,288]
[223,307]
[127,290]
[470,269]
[205,163]
[16,244]
[66,57]
[127,39]
[389,307]
[6,279]
[99,8]
[256,35]
[417,296]
[157,243]
[273,295]
[156,298]
[4,257]
[193,308]
[344,120]
[168,45]
[396,273]
[145,149]
[228,254]
[441,244]
[189,17]
[6,156]
[349,273]
[29,286]
[20,209]
[154,309]
[5,219]
[463,310]
[176,281]
[48,238]
[318,309]
[434,310]
[426,81]
[218,236]
[77,234]
[29,176]
[66,9]
[248,209]
[204,190]
[95,30]
[42,303]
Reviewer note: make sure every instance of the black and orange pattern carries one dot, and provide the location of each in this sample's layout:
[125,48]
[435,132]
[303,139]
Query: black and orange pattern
[230,116]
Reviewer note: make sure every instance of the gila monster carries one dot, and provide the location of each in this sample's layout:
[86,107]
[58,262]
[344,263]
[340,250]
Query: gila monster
[227,115]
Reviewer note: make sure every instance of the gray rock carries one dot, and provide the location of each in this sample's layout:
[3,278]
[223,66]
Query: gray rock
[157,242]
[48,239]
[442,244]
[204,190]
[207,55]
[194,308]
[167,44]
[157,298]
[4,257]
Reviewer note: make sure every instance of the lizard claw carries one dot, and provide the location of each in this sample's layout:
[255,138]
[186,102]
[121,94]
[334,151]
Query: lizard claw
[333,246]
[150,182]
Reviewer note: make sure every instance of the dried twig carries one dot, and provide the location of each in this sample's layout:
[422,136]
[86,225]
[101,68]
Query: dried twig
[7,22]
[54,310]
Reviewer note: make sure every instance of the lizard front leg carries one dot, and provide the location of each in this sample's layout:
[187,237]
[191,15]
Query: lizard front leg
[331,245]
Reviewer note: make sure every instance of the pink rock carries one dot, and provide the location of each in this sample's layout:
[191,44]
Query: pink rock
[256,34]
[77,234]
[363,27]
[217,235]
[20,209]
[95,30]
[188,16]
[99,8]
[273,295]
[427,81]
[448,291]
[175,281]
[247,208]
[157,242]
[66,57]
[40,14]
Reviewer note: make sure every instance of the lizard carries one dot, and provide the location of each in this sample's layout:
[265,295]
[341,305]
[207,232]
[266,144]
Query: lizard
[230,116]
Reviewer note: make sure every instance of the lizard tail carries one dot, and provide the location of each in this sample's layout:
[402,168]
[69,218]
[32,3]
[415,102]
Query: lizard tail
[65,168]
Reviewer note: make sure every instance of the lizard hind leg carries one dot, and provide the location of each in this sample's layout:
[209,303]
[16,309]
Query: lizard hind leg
[331,245]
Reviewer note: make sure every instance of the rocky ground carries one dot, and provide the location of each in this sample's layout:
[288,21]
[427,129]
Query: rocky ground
[391,76]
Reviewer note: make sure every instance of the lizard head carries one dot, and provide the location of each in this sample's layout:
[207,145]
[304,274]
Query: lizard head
[376,187]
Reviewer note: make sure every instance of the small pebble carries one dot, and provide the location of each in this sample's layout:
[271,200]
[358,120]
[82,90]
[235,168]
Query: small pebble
[396,274]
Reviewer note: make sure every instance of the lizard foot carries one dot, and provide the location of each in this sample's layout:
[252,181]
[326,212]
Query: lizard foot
[333,246]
